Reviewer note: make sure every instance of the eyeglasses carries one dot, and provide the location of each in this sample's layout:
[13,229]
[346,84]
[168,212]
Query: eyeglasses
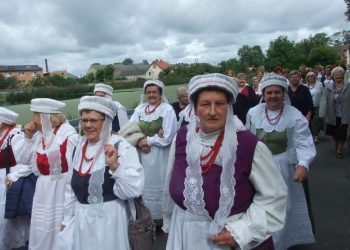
[92,121]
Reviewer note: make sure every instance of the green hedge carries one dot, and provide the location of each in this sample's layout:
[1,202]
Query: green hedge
[56,93]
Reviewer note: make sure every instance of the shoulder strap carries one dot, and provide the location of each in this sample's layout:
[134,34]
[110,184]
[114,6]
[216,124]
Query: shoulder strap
[128,210]
[8,154]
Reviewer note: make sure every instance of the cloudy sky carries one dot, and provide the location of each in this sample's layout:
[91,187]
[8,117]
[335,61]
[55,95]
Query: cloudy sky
[73,34]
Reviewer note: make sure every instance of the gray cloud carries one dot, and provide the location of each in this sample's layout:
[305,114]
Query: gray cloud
[75,34]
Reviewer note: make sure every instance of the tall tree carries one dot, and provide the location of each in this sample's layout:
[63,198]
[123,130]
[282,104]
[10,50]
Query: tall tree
[323,55]
[282,52]
[347,12]
[340,38]
[128,61]
[109,72]
[100,75]
[251,56]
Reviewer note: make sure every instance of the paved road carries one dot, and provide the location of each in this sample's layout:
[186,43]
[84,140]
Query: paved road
[329,184]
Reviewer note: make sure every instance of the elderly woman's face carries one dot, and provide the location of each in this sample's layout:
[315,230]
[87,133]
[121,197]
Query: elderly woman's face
[91,124]
[338,76]
[273,96]
[212,108]
[153,95]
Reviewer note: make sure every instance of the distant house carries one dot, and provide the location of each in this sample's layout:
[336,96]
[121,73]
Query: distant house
[130,72]
[155,68]
[62,73]
[24,74]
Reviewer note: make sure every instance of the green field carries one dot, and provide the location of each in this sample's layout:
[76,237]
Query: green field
[129,98]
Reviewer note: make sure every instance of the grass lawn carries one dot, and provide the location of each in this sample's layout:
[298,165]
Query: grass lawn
[129,98]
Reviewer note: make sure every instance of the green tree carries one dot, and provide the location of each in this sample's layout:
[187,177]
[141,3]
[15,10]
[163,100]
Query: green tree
[306,45]
[340,38]
[100,75]
[323,55]
[347,12]
[251,56]
[128,61]
[145,62]
[109,72]
[90,77]
[282,52]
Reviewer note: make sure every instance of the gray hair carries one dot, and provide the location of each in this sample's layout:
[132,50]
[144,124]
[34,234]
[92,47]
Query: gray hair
[337,70]
[181,91]
[293,72]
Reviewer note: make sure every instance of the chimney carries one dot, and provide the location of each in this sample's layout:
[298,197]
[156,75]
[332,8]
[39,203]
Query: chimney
[47,67]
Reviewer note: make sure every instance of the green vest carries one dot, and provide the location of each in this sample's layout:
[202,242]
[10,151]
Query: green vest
[275,141]
[151,128]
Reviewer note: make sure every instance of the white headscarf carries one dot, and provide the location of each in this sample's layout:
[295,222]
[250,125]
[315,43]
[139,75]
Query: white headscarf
[272,79]
[158,83]
[193,193]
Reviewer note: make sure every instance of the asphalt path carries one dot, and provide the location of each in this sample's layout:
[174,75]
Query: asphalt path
[329,186]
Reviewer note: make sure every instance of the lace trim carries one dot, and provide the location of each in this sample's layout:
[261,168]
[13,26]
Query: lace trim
[193,192]
[288,119]
[161,111]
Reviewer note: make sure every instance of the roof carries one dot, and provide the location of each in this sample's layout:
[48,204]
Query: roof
[161,64]
[121,69]
[12,68]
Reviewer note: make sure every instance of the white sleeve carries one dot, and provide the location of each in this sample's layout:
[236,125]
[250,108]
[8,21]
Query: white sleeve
[69,201]
[129,176]
[21,171]
[167,202]
[122,116]
[22,149]
[323,105]
[169,126]
[71,148]
[304,144]
[267,212]
[134,117]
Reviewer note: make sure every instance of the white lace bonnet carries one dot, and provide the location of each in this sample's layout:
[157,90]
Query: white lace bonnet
[271,79]
[158,83]
[107,89]
[7,116]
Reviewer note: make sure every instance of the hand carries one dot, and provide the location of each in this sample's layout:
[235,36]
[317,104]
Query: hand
[8,182]
[146,149]
[165,236]
[111,155]
[29,130]
[224,238]
[300,174]
[161,133]
[62,227]
[308,116]
[142,142]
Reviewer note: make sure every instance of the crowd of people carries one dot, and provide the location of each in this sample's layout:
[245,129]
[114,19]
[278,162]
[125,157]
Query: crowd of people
[223,167]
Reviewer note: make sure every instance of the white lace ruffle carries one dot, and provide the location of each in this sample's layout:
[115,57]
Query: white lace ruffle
[159,112]
[288,119]
[193,192]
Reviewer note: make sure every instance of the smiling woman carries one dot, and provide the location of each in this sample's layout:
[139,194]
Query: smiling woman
[285,131]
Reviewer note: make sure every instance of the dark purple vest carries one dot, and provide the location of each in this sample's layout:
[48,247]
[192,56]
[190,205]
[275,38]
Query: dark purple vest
[211,180]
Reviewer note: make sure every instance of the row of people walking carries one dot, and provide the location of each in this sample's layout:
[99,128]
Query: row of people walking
[213,181]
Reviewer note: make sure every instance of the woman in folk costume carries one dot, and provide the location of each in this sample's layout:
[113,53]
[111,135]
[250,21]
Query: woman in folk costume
[121,116]
[223,190]
[14,233]
[106,171]
[52,140]
[152,117]
[286,133]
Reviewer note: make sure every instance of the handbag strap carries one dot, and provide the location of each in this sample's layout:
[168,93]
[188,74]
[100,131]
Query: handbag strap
[8,154]
[138,201]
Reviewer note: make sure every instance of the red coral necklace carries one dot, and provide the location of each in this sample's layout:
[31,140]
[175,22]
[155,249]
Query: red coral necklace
[148,111]
[274,120]
[207,161]
[84,158]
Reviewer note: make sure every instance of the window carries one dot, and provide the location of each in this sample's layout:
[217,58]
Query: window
[149,73]
[8,74]
[21,73]
[154,66]
[34,73]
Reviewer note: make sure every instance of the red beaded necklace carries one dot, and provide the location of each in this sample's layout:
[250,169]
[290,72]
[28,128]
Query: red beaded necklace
[148,112]
[207,161]
[6,134]
[276,119]
[84,158]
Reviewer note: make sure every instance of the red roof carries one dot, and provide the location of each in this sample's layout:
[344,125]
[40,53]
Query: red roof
[161,64]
